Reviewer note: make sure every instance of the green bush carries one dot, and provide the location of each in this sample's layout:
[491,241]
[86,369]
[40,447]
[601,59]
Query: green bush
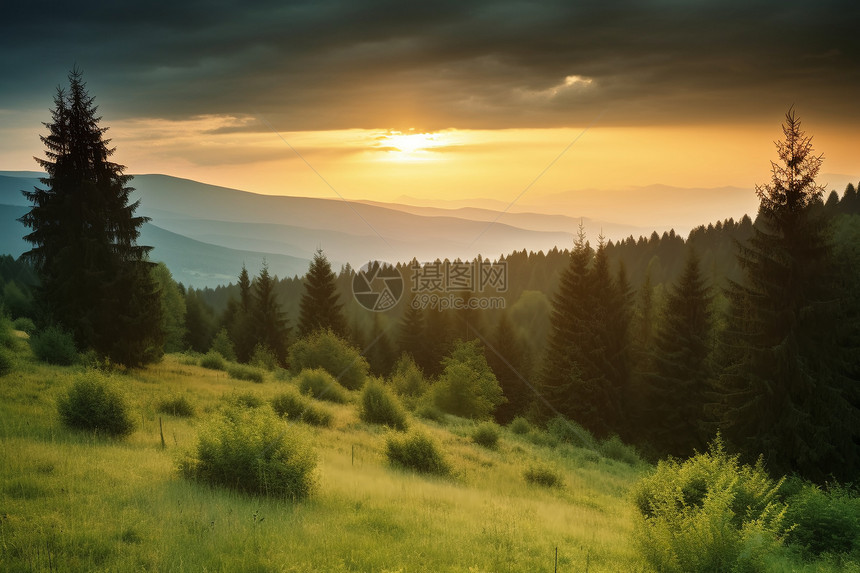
[569,432]
[213,361]
[543,475]
[825,521]
[244,400]
[708,513]
[255,452]
[324,349]
[223,346]
[295,407]
[486,434]
[407,378]
[179,406]
[520,426]
[429,411]
[95,403]
[264,357]
[614,449]
[242,372]
[24,324]
[416,451]
[6,362]
[54,346]
[8,338]
[468,386]
[319,384]
[379,406]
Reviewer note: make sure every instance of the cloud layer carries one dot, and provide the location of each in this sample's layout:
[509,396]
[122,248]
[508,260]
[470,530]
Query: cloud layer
[337,64]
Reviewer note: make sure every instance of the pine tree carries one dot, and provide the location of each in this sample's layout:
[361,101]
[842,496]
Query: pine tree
[270,322]
[380,351]
[508,359]
[95,279]
[412,335]
[784,391]
[677,382]
[199,322]
[240,319]
[319,307]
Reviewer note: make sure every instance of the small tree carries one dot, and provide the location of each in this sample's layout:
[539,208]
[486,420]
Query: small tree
[269,320]
[468,386]
[319,307]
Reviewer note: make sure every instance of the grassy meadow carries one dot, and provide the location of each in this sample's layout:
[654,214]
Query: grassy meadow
[75,501]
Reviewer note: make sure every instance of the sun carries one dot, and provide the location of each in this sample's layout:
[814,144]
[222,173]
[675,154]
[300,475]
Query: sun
[411,146]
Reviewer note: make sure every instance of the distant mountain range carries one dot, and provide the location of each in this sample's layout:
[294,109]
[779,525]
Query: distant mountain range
[205,233]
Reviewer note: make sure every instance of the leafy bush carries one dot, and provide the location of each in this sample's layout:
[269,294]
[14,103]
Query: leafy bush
[407,378]
[264,357]
[543,475]
[468,386]
[825,521]
[24,324]
[429,411]
[223,346]
[179,406]
[244,400]
[708,513]
[319,384]
[520,426]
[294,406]
[416,451]
[324,349]
[486,434]
[95,403]
[255,452]
[54,346]
[6,362]
[569,432]
[213,360]
[379,406]
[614,449]
[8,339]
[242,372]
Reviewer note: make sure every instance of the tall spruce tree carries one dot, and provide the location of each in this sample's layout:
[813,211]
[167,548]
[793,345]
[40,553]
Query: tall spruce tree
[681,367]
[95,279]
[412,337]
[785,391]
[270,322]
[319,307]
[508,358]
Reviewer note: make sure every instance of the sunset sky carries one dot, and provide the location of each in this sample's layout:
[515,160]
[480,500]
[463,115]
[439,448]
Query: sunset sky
[442,100]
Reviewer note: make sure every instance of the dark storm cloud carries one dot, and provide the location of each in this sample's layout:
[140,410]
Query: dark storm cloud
[338,64]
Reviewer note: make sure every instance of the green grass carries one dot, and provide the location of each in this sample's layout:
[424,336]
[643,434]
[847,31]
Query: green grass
[76,501]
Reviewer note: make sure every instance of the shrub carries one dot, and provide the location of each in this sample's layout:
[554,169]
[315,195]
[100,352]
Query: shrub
[244,400]
[468,386]
[242,372]
[614,449]
[486,434]
[379,406]
[520,426]
[429,411]
[263,357]
[543,475]
[94,403]
[825,521]
[24,324]
[179,406]
[319,384]
[569,432]
[294,406]
[213,361]
[407,378]
[708,513]
[6,362]
[324,349]
[416,451]
[255,452]
[223,346]
[54,346]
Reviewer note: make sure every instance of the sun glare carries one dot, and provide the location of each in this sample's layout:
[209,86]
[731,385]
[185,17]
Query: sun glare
[411,146]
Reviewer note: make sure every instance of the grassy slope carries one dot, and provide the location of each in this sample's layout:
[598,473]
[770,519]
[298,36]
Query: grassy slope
[75,502]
